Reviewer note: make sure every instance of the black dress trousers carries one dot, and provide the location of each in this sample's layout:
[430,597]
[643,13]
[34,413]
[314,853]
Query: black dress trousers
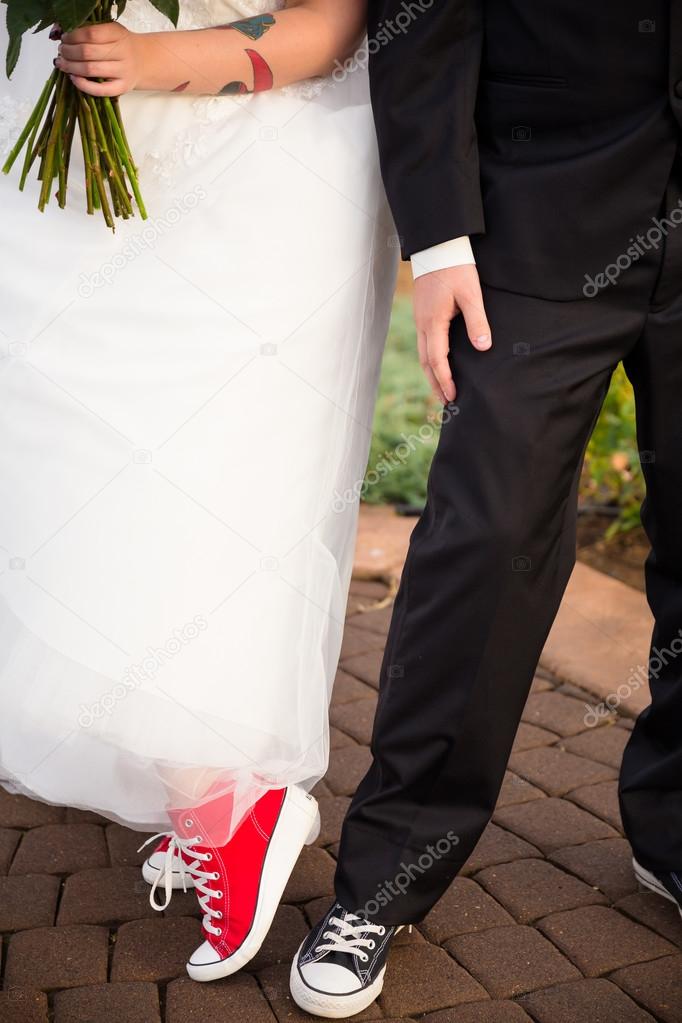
[487,566]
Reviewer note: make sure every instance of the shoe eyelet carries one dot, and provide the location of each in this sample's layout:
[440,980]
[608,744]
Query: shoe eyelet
[189,823]
[216,875]
[220,931]
[364,957]
[372,944]
[218,895]
[382,931]
[208,857]
[219,916]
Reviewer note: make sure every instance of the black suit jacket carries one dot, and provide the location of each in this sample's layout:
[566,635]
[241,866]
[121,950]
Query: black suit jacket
[546,129]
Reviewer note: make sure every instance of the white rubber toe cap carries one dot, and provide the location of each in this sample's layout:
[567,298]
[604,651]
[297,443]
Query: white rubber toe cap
[205,955]
[330,978]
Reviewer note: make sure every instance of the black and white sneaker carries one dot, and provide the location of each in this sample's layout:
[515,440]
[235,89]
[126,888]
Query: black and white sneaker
[339,968]
[667,883]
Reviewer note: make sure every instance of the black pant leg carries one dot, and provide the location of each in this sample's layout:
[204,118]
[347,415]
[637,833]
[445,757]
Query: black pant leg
[487,566]
[651,775]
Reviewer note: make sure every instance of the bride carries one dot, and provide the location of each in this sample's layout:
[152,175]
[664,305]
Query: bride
[181,403]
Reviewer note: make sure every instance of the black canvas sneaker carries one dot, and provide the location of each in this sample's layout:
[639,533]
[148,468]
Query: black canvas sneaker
[667,883]
[339,968]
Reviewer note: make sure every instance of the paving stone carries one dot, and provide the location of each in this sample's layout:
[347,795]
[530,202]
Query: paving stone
[123,845]
[377,620]
[333,810]
[9,840]
[598,939]
[322,790]
[541,683]
[422,978]
[356,719]
[112,895]
[558,772]
[598,1001]
[338,739]
[23,1006]
[517,790]
[154,950]
[74,816]
[365,666]
[357,643]
[288,930]
[530,889]
[497,846]
[606,864]
[183,904]
[235,998]
[464,907]
[530,736]
[346,689]
[553,823]
[603,744]
[654,912]
[61,849]
[556,712]
[480,1012]
[347,768]
[274,981]
[509,961]
[57,957]
[313,876]
[656,986]
[22,812]
[102,1003]
[601,800]
[370,591]
[28,902]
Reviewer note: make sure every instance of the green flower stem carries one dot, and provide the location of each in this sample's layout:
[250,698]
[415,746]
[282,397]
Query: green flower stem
[116,183]
[96,166]
[125,155]
[87,160]
[48,168]
[34,119]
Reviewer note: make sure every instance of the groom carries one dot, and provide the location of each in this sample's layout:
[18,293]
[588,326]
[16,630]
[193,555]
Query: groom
[550,135]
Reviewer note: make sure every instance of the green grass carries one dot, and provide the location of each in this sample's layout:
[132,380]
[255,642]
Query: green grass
[405,435]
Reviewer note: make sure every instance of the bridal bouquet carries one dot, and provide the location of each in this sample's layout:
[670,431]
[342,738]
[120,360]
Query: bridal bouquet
[110,174]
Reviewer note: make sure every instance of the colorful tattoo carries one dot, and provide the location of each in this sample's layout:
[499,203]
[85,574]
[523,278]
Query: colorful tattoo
[181,87]
[254,28]
[262,78]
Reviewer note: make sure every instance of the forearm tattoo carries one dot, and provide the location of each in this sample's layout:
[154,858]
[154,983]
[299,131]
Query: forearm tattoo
[263,80]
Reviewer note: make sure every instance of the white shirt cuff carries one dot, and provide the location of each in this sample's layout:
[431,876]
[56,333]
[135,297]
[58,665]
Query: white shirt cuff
[457,252]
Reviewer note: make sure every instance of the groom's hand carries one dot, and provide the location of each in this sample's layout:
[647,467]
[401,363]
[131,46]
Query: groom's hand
[439,297]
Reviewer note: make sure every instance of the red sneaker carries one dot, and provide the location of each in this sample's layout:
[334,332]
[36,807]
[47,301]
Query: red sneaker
[240,885]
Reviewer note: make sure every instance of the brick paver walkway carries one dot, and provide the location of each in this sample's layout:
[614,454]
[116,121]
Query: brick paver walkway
[545,924]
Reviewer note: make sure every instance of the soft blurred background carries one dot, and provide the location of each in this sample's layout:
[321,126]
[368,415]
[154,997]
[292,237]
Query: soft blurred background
[610,536]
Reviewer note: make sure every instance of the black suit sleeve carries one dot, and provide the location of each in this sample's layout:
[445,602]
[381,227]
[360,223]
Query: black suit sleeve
[424,78]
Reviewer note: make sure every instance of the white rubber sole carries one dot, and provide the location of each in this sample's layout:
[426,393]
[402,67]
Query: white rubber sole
[150,874]
[298,825]
[650,881]
[322,1003]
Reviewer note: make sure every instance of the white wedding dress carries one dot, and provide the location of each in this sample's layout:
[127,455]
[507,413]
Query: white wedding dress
[184,406]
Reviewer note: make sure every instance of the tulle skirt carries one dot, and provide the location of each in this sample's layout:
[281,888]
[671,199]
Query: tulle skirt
[185,415]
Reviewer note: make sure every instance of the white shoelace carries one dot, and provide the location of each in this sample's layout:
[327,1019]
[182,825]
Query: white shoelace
[349,936]
[178,848]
